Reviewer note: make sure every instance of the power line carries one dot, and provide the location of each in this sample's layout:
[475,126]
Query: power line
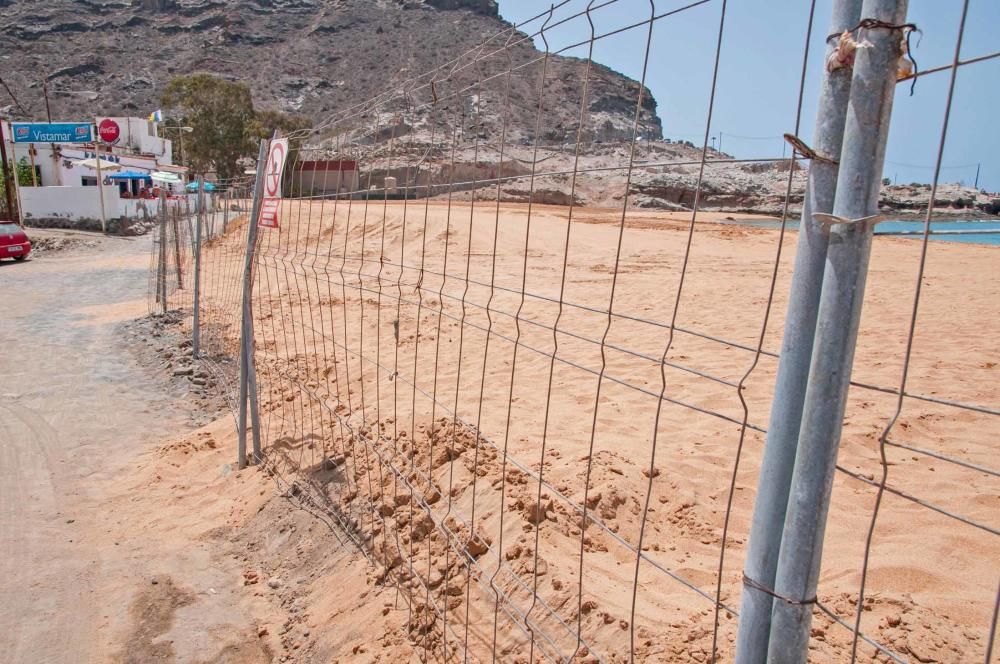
[896,163]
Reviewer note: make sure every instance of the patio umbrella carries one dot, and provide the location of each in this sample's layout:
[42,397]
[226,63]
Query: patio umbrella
[193,186]
[105,164]
[161,176]
[129,175]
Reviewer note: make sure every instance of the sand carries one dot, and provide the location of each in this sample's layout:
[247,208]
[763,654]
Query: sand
[377,423]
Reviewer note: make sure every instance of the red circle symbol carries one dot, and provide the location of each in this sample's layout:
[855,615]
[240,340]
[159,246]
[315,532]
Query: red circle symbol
[109,131]
[275,162]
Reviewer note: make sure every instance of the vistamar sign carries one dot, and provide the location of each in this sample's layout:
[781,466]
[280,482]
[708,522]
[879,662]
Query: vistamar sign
[59,132]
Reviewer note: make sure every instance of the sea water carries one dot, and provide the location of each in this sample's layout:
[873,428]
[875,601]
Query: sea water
[978,231]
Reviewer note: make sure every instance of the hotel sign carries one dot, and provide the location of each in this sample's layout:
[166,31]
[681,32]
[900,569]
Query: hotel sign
[59,132]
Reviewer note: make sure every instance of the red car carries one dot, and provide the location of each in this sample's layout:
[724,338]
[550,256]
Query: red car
[13,242]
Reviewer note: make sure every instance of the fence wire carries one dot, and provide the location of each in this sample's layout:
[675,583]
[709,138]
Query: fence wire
[224,213]
[541,420]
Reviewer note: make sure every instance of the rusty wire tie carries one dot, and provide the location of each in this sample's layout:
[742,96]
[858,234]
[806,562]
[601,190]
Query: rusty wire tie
[750,583]
[798,145]
[874,24]
[878,24]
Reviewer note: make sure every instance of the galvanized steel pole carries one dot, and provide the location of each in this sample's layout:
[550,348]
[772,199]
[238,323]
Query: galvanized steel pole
[162,285]
[861,162]
[246,328]
[196,325]
[796,351]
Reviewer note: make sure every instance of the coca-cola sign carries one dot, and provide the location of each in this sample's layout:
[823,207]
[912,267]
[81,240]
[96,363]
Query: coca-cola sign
[109,131]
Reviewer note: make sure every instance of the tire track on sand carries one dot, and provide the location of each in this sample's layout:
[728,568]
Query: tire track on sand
[44,605]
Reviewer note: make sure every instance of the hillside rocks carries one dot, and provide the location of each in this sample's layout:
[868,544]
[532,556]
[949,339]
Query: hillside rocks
[313,57]
[665,176]
[484,7]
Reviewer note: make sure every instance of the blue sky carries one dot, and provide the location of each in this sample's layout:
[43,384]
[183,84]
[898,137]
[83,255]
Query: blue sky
[760,68]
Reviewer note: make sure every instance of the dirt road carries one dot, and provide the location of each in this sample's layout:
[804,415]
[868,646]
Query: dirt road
[74,410]
[125,537]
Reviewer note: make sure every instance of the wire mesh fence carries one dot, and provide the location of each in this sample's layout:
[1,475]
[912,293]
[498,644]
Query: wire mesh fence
[222,217]
[543,420]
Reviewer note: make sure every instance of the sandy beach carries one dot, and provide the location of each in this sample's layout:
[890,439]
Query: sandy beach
[526,535]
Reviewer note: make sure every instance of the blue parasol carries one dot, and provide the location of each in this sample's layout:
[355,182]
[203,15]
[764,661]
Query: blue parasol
[130,175]
[193,186]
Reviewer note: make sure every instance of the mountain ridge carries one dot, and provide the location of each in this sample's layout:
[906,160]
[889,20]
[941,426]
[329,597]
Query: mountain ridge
[311,57]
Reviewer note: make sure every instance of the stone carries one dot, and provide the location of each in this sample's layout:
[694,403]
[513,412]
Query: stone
[476,546]
[537,512]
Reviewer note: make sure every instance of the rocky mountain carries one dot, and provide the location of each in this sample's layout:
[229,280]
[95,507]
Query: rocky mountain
[314,57]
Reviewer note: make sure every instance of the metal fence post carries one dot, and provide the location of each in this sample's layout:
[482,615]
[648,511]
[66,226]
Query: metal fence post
[225,209]
[247,381]
[252,391]
[862,158]
[162,285]
[796,351]
[177,248]
[196,324]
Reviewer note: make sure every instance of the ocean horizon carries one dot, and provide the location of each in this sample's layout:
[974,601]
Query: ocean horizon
[968,231]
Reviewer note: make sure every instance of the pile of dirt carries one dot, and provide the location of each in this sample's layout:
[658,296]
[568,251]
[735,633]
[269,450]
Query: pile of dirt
[118,226]
[44,245]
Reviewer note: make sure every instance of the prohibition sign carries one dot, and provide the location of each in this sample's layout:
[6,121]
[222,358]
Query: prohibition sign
[275,165]
[272,184]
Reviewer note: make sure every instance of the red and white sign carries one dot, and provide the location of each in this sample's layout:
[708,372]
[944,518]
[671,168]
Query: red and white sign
[272,183]
[109,131]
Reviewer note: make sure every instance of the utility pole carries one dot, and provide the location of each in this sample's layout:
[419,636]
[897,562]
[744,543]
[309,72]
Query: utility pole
[6,174]
[31,153]
[977,175]
[45,93]
[53,148]
[100,183]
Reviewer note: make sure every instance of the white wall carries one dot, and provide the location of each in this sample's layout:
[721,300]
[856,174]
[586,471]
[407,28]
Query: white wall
[71,202]
[132,208]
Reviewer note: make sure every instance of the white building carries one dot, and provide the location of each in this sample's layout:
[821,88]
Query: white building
[64,187]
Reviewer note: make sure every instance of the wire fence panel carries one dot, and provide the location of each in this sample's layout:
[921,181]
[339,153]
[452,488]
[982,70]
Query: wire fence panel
[224,214]
[542,421]
[170,258]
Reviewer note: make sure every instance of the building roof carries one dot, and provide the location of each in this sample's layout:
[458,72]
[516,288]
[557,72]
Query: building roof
[172,168]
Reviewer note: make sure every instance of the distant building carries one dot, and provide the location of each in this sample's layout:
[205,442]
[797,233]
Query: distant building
[64,190]
[325,178]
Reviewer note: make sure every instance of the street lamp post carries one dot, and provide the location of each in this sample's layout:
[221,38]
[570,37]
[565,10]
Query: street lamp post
[180,133]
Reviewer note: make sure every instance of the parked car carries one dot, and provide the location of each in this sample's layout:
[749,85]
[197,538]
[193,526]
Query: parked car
[13,242]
